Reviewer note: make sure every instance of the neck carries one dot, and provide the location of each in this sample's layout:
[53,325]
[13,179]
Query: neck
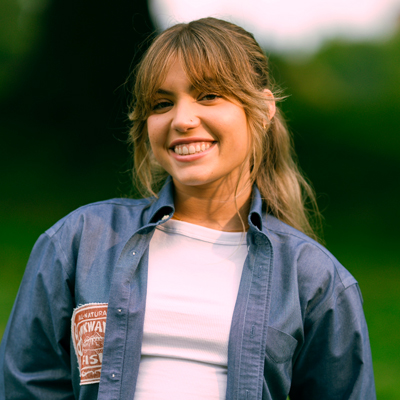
[214,207]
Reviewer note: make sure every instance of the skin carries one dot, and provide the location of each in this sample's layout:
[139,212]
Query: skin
[205,182]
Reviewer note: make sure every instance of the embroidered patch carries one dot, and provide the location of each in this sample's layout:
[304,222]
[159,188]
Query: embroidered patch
[88,326]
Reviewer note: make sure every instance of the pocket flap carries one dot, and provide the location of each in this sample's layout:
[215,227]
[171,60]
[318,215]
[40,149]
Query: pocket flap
[280,345]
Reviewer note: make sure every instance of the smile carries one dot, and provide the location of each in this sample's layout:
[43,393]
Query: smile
[191,148]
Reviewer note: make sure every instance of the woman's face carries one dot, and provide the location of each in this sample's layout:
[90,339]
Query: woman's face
[200,139]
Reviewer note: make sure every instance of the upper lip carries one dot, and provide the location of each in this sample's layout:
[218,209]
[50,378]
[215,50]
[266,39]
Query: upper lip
[188,140]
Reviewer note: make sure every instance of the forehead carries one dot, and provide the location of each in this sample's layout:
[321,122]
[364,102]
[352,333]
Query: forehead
[179,70]
[176,76]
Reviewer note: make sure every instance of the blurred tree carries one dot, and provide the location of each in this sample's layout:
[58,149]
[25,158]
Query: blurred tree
[74,82]
[343,109]
[354,86]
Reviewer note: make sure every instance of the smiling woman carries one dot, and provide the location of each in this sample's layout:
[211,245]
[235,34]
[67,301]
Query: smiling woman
[224,61]
[209,289]
[185,119]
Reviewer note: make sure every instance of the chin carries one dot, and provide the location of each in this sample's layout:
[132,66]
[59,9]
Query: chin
[193,180]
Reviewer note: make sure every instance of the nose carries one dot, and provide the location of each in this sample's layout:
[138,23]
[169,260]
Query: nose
[185,117]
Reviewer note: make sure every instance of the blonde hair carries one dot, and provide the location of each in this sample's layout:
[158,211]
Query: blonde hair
[220,57]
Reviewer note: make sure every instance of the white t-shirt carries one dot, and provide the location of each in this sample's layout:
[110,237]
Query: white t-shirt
[193,281]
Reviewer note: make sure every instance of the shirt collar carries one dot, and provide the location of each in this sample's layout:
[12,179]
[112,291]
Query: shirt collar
[163,208]
[255,214]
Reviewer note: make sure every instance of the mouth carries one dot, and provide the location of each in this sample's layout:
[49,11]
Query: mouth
[187,149]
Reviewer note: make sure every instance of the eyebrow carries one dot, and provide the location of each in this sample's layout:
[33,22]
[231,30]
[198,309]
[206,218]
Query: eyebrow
[162,91]
[169,93]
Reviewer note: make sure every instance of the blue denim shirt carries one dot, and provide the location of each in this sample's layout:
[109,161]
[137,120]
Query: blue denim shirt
[298,326]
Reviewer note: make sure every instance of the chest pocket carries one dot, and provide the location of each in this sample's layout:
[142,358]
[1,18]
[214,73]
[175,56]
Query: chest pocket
[280,346]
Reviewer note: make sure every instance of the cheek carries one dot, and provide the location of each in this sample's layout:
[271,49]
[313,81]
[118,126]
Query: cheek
[236,133]
[234,118]
[155,132]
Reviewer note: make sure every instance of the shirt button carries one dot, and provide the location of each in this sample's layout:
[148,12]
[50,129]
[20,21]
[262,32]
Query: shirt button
[119,309]
[164,217]
[133,253]
[113,375]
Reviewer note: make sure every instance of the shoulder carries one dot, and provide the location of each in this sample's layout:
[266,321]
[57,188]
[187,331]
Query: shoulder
[92,230]
[320,277]
[117,214]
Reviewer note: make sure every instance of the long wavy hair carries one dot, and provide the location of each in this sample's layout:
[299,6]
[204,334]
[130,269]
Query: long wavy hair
[213,48]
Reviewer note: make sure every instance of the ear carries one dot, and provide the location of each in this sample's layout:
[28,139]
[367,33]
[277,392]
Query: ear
[270,99]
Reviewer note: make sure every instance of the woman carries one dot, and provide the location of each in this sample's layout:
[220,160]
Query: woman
[209,290]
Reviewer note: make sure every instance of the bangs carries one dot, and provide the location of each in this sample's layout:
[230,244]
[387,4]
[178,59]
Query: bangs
[212,61]
[204,76]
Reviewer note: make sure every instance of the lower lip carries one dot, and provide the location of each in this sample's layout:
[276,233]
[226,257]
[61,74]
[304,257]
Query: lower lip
[191,157]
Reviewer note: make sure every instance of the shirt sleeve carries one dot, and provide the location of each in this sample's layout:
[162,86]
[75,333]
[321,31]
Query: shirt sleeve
[335,359]
[35,350]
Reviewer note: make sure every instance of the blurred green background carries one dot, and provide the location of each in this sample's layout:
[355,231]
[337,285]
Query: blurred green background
[63,129]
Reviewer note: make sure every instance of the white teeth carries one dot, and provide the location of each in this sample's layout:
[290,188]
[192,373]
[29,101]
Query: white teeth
[185,149]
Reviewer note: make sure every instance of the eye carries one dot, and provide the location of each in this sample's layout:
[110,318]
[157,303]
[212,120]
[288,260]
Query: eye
[209,97]
[161,105]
